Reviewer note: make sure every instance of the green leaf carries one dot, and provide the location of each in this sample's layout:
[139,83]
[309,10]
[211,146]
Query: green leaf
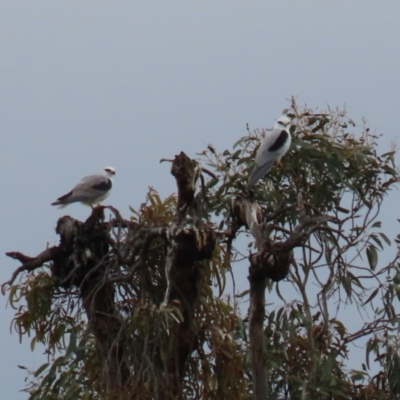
[236,154]
[41,369]
[372,255]
[385,238]
[357,375]
[211,183]
[33,343]
[343,210]
[373,294]
[377,241]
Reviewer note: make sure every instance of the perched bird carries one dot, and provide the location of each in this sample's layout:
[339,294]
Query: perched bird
[90,190]
[272,149]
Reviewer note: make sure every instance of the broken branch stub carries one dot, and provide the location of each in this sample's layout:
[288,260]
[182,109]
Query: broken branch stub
[272,261]
[186,172]
[83,249]
[191,243]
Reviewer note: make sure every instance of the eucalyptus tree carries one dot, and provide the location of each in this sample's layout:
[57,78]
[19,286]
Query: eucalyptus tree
[142,308]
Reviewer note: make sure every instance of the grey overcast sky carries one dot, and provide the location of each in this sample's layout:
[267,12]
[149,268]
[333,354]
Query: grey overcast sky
[87,84]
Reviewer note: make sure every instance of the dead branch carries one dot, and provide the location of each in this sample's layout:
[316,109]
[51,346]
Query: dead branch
[186,173]
[30,263]
[192,242]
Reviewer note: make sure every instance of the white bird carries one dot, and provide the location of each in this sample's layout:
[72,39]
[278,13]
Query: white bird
[272,149]
[90,190]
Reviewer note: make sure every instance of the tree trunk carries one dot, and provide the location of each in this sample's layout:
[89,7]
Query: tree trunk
[256,333]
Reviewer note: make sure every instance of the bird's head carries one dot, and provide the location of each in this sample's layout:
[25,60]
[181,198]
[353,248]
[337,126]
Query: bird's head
[282,122]
[109,171]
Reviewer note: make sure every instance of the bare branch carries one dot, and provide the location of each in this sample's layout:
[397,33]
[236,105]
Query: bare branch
[208,172]
[30,263]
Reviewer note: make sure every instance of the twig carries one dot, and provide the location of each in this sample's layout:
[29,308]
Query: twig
[209,173]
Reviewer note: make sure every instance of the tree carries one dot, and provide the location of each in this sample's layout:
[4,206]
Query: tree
[139,309]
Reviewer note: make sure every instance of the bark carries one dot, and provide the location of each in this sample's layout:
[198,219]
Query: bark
[88,246]
[107,330]
[256,334]
[80,260]
[191,243]
[186,173]
[30,263]
[272,261]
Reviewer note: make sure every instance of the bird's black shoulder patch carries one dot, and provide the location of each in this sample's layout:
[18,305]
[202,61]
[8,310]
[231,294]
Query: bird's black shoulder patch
[280,140]
[103,186]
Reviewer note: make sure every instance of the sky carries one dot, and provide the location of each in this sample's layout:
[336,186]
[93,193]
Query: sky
[88,84]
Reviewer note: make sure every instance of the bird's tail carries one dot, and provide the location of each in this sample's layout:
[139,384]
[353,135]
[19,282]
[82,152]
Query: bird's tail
[58,203]
[258,172]
[63,201]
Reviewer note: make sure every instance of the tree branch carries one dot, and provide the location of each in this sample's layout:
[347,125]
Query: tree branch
[256,334]
[191,242]
[30,263]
